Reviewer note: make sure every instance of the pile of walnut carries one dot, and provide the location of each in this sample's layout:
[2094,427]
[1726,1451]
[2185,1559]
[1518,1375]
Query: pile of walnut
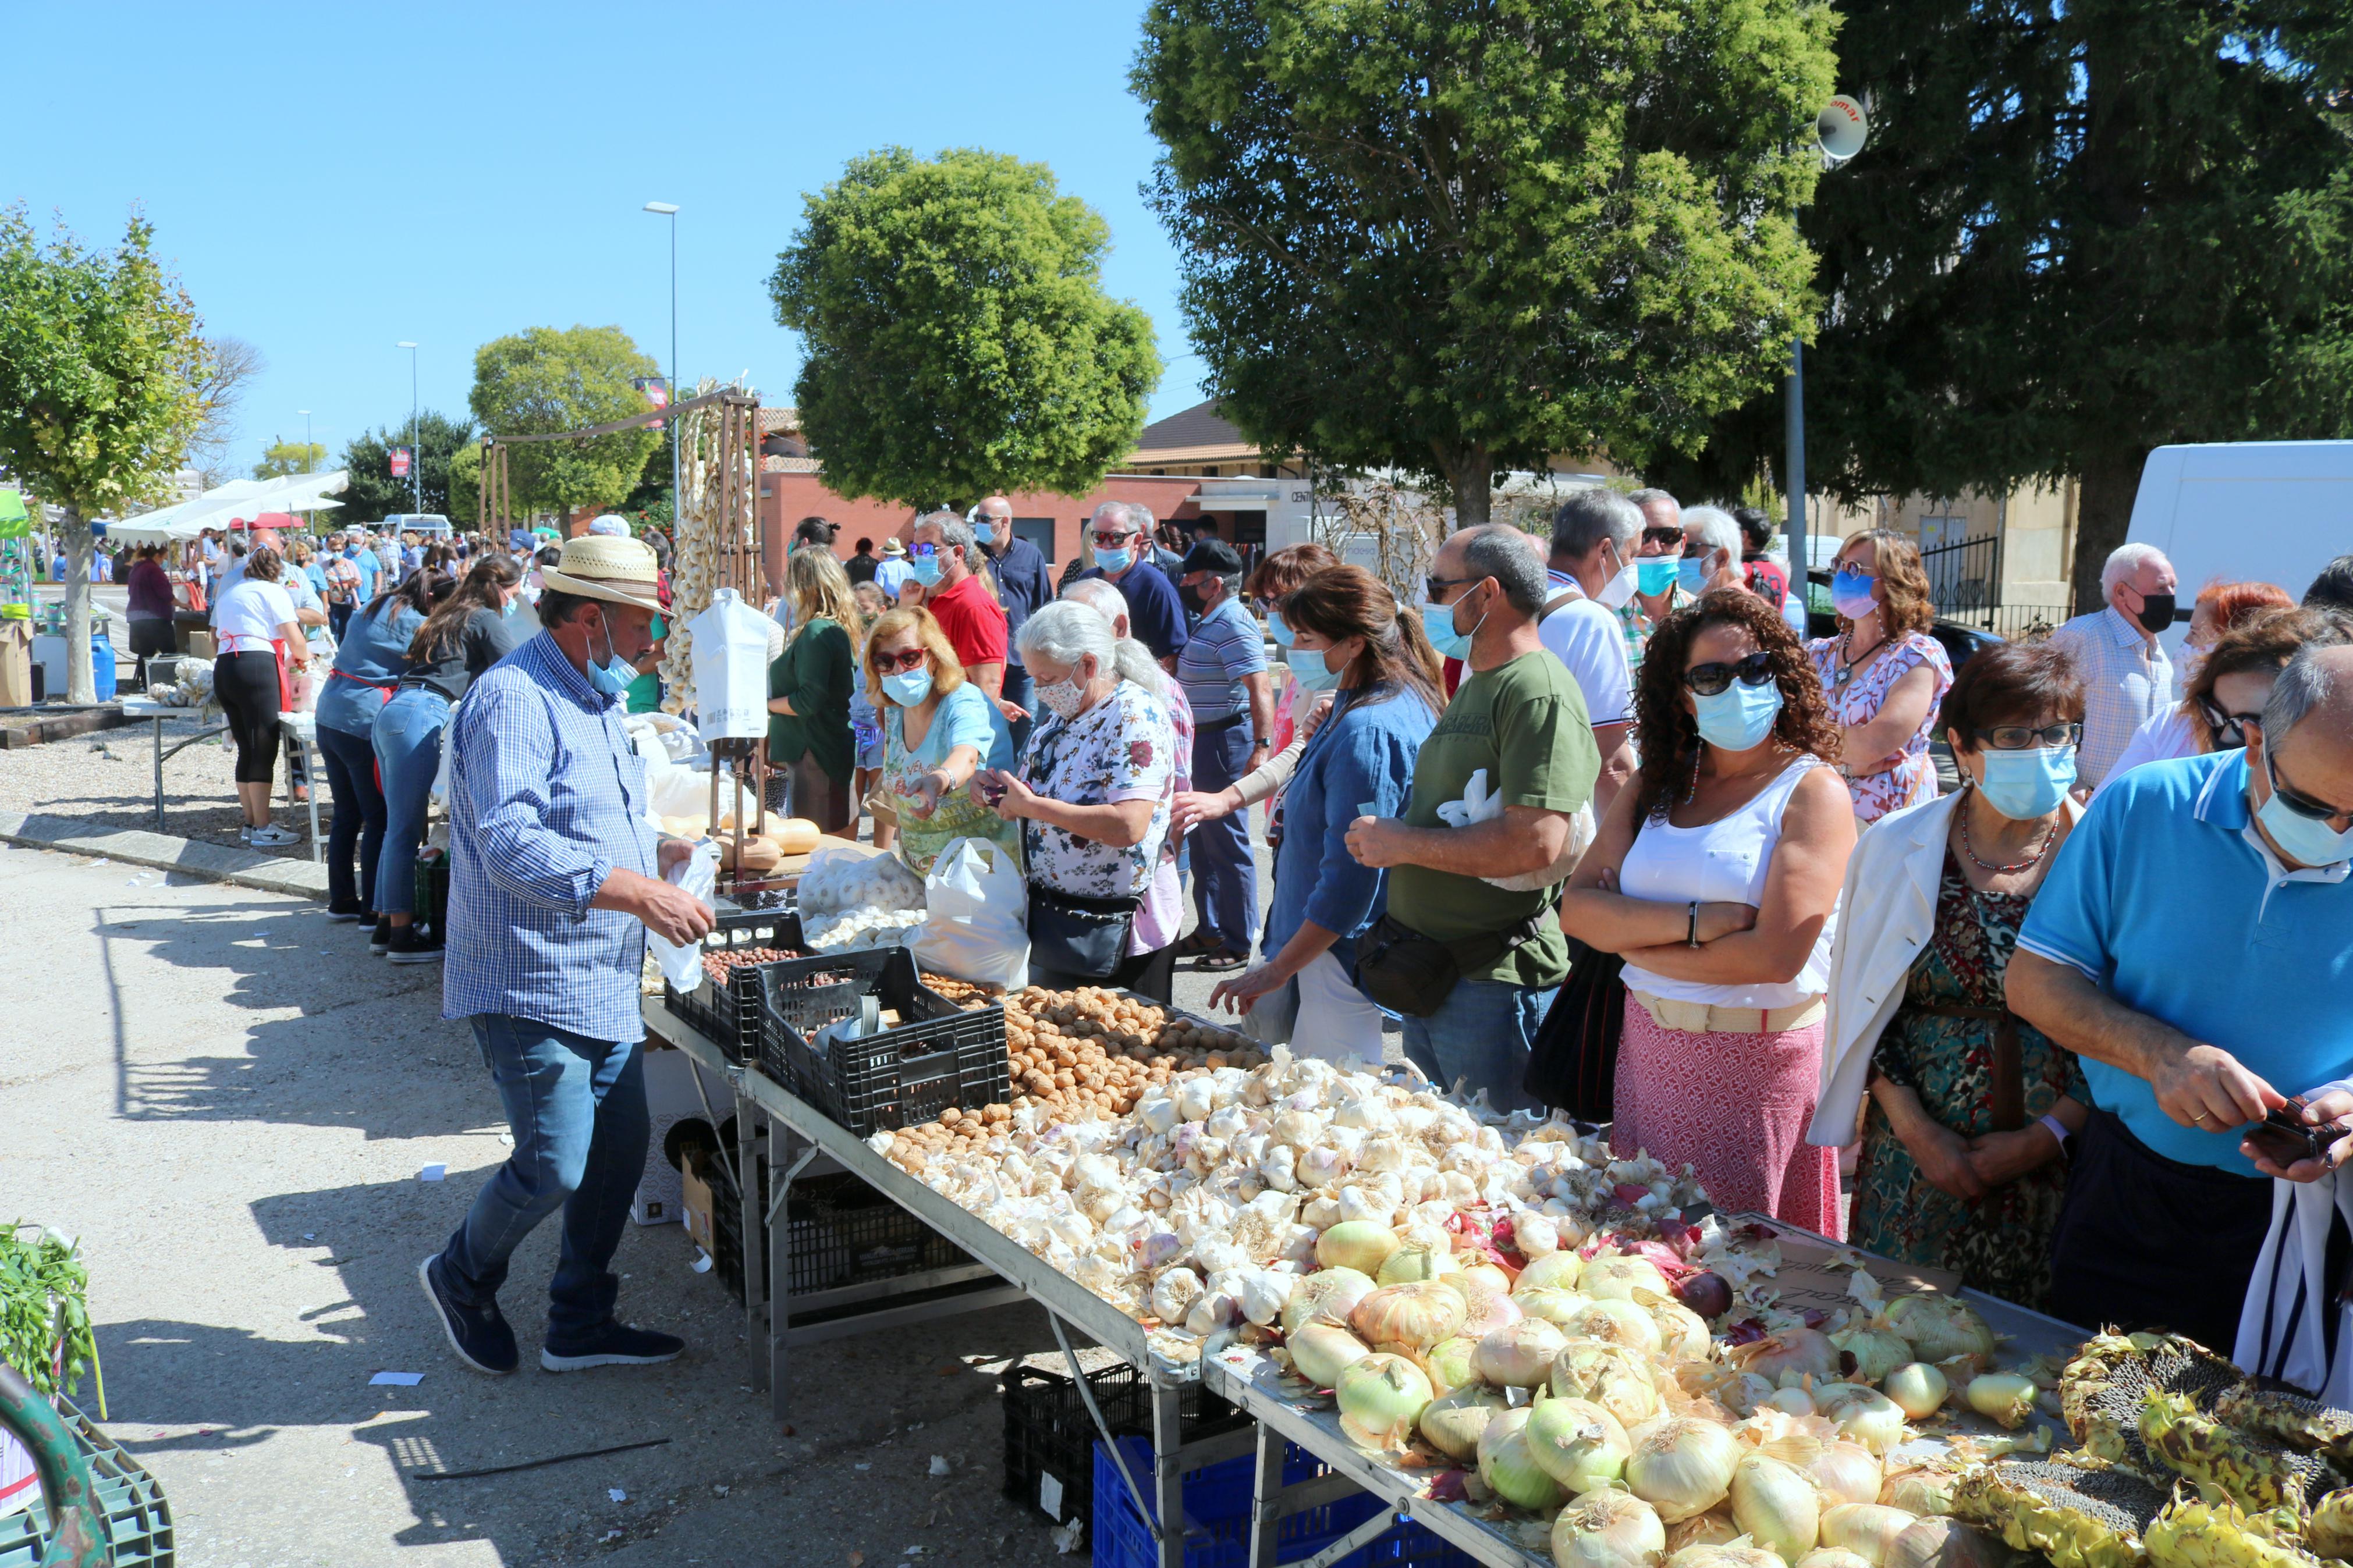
[970,995]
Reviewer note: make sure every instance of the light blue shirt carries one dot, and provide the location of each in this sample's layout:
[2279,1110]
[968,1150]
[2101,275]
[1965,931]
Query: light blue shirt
[965,717]
[1360,761]
[369,664]
[2165,896]
[546,797]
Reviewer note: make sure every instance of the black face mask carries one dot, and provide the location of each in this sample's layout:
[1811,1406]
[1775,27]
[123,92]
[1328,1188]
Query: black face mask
[2156,612]
[1191,597]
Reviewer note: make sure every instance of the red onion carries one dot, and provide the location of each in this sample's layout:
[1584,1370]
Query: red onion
[1707,1294]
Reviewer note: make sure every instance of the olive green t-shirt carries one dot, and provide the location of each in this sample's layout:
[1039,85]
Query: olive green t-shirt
[1525,723]
[814,671]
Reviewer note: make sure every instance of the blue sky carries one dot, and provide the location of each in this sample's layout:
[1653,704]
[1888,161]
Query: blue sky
[331,179]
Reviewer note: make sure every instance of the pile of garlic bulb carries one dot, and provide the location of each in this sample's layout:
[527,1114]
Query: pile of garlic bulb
[858,929]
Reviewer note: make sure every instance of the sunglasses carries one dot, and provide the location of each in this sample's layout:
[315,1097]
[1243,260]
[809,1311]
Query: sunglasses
[1664,538]
[2230,729]
[2025,737]
[1716,676]
[2301,805]
[1435,586]
[905,660]
[1110,541]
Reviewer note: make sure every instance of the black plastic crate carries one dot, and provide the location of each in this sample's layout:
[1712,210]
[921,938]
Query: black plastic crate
[729,1014]
[1050,1438]
[839,1232]
[939,1056]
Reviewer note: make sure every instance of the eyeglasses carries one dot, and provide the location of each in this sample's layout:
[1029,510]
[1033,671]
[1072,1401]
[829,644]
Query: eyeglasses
[905,660]
[2230,729]
[1664,538]
[1710,678]
[1109,541]
[926,550]
[2025,737]
[1436,586]
[2301,805]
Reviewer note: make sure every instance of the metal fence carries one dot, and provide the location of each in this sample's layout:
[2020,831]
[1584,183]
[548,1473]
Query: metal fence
[1965,581]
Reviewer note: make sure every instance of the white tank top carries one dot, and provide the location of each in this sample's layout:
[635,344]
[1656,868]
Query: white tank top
[1724,861]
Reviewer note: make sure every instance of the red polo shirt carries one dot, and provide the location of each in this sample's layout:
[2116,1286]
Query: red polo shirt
[974,621]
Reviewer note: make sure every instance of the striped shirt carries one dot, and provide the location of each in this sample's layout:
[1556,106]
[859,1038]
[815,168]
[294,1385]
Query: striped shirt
[2127,681]
[1226,645]
[546,798]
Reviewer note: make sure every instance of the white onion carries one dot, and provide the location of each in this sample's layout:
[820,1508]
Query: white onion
[2002,1397]
[1577,1444]
[1844,1472]
[1359,1245]
[1732,1554]
[1412,1262]
[1918,1490]
[1609,1528]
[1381,1397]
[1832,1557]
[1682,1333]
[1714,1528]
[1319,1352]
[1802,1350]
[1551,1303]
[1610,1376]
[1554,1269]
[1412,1317]
[1452,1364]
[1940,1327]
[1615,1321]
[1776,1505]
[1682,1467]
[1944,1544]
[1917,1388]
[1863,1414]
[1617,1279]
[1452,1422]
[1508,1465]
[1519,1355]
[1865,1529]
[1877,1351]
[1327,1296]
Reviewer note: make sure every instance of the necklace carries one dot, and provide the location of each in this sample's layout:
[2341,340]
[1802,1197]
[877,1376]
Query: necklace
[1847,661]
[2026,865]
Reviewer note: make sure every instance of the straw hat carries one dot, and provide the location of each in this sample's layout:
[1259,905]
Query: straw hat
[895,549]
[598,566]
[609,526]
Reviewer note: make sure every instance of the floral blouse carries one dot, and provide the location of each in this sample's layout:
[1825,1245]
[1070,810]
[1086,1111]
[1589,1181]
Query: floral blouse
[1913,779]
[1122,749]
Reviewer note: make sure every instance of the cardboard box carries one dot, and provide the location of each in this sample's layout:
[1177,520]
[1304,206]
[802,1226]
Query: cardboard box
[660,1190]
[202,645]
[671,1099]
[695,1204]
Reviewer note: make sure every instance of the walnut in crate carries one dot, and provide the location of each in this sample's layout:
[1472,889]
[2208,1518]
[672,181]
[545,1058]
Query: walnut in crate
[969,994]
[718,963]
[1100,1048]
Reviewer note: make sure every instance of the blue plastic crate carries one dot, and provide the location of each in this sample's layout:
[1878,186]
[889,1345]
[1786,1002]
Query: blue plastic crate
[1218,1514]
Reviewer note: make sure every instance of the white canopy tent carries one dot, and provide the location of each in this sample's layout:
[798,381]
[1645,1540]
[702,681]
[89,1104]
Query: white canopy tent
[238,498]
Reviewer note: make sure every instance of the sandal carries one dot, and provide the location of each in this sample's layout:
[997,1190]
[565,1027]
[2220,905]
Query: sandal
[1219,963]
[1196,945]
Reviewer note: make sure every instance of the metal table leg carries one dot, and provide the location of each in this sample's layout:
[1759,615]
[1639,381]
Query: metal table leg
[159,773]
[755,1241]
[1169,1467]
[780,1254]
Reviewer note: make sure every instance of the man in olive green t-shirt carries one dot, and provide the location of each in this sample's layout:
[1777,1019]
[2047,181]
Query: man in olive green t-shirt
[1519,715]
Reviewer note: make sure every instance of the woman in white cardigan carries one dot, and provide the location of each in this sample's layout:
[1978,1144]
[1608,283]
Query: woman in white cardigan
[1971,1107]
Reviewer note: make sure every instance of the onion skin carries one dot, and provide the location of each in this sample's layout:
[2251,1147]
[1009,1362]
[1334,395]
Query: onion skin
[1716,1527]
[1940,1327]
[1609,1528]
[1918,1490]
[1802,1350]
[1451,1423]
[1320,1352]
[1577,1444]
[1508,1465]
[1519,1355]
[1612,1378]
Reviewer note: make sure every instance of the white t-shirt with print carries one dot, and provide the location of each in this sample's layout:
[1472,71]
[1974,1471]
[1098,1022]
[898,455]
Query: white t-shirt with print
[1122,749]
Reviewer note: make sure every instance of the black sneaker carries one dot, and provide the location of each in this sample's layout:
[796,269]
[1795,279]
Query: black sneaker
[479,1334]
[344,913]
[410,947]
[610,1344]
[380,939]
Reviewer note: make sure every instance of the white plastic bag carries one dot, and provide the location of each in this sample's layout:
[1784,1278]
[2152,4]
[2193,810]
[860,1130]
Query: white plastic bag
[698,875]
[1478,805]
[731,668]
[838,879]
[977,929]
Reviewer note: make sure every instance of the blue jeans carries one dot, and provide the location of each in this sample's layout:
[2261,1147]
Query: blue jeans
[1225,873]
[1023,695]
[408,749]
[349,761]
[577,1109]
[1481,1033]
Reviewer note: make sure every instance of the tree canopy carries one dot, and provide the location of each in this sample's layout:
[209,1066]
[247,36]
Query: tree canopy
[2081,229]
[1456,236]
[281,458]
[957,338]
[374,493]
[101,365]
[543,379]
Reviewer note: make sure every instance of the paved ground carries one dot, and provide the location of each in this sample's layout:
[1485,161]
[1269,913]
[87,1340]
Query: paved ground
[230,1102]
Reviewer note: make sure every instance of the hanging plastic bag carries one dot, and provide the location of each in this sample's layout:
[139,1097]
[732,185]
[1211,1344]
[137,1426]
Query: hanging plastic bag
[1478,805]
[730,641]
[978,927]
[698,875]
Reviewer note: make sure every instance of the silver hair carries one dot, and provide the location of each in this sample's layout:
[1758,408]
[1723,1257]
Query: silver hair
[956,534]
[1105,597]
[1498,550]
[1715,528]
[1106,600]
[2308,683]
[1130,516]
[2124,560]
[1590,516]
[1644,498]
[1067,631]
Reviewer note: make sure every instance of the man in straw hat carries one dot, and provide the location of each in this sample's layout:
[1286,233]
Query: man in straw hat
[555,878]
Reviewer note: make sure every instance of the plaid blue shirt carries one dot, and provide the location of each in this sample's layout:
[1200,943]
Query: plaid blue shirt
[546,797]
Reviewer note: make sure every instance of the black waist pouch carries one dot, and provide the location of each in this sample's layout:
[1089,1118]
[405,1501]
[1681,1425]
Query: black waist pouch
[1408,973]
[1084,937]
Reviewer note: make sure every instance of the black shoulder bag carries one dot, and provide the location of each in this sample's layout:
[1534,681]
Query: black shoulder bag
[1408,973]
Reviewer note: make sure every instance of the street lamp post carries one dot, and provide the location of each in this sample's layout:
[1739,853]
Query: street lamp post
[416,456]
[669,211]
[308,466]
[1842,129]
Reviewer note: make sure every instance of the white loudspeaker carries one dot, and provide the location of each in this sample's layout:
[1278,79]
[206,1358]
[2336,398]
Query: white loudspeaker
[1843,127]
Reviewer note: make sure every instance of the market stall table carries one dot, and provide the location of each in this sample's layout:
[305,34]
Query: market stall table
[1026,1274]
[1248,1379]
[301,732]
[141,708]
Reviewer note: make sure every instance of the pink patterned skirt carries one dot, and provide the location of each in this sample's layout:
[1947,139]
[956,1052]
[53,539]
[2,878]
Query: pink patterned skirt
[1735,1109]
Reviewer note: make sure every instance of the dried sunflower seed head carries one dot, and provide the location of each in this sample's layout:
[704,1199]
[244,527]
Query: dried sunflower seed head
[2079,1516]
[2282,1414]
[2250,1470]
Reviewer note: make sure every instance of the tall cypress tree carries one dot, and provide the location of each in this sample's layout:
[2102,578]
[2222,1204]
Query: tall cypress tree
[2082,229]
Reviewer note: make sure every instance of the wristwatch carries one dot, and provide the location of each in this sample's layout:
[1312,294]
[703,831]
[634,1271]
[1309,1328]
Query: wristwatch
[2058,1130]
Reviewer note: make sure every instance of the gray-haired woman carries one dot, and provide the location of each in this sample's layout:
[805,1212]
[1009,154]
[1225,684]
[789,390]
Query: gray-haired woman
[1092,793]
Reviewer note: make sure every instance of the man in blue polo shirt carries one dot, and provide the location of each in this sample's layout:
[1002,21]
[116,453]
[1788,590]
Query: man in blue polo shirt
[2193,944]
[1121,534]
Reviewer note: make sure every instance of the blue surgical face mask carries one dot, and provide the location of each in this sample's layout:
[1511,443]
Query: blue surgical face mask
[1114,560]
[1738,717]
[908,688]
[612,674]
[1851,594]
[1690,574]
[1438,621]
[2300,838]
[926,567]
[1312,668]
[509,607]
[1279,628]
[1653,575]
[2029,784]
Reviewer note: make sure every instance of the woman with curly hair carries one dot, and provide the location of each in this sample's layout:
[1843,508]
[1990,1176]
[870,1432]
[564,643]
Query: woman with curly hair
[1883,674]
[1717,878]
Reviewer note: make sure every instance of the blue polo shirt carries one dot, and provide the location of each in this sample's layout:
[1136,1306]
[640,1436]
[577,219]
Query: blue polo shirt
[2165,897]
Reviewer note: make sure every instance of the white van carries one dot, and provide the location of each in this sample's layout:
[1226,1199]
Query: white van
[2276,511]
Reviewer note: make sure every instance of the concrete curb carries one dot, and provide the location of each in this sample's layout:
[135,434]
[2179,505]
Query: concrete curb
[243,867]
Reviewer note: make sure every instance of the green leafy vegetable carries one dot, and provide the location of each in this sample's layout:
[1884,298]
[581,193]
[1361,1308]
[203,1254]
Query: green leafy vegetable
[44,1297]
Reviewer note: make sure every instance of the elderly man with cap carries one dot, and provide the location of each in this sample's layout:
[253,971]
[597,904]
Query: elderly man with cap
[554,879]
[1222,666]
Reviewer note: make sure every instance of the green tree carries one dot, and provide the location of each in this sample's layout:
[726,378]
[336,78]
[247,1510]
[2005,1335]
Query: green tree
[957,338]
[374,493]
[542,381]
[100,365]
[2081,229]
[1456,236]
[281,458]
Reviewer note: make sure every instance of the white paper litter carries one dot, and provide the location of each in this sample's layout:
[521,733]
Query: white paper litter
[396,1380]
[617,1494]
[433,1173]
[939,1464]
